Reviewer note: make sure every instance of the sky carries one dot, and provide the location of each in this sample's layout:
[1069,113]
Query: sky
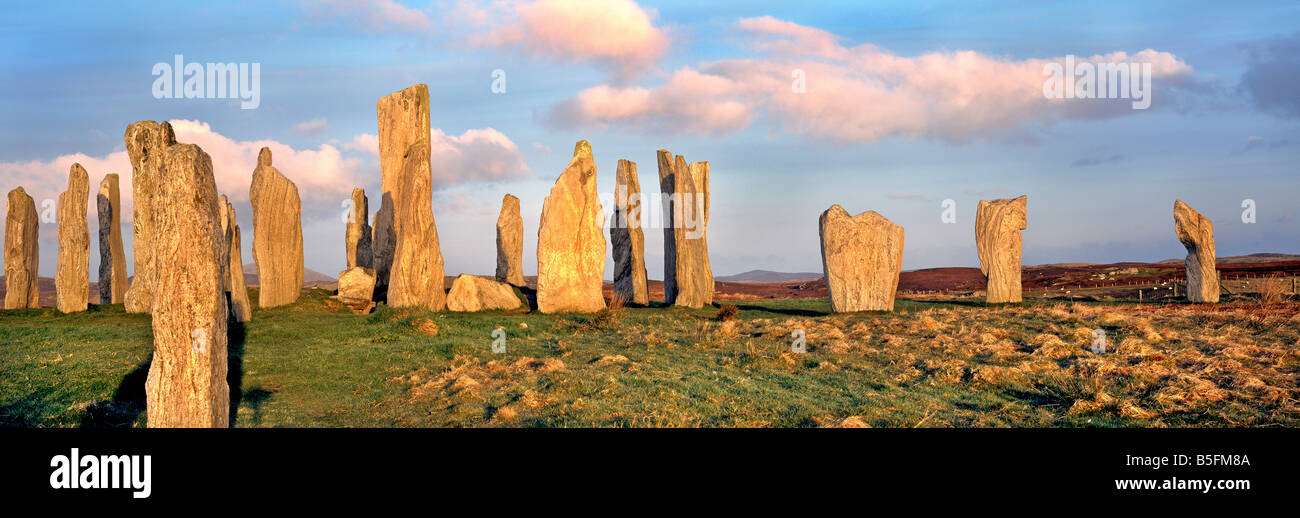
[891,107]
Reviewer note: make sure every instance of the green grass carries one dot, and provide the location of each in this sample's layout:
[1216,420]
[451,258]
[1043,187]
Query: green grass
[950,363]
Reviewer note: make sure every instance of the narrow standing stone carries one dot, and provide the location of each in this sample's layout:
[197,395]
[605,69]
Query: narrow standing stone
[998,241]
[570,241]
[1196,233]
[72,278]
[22,252]
[277,234]
[357,240]
[112,258]
[145,142]
[415,275]
[187,385]
[236,288]
[510,242]
[688,278]
[627,238]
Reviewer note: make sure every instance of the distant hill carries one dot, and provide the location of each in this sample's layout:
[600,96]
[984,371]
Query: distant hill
[769,276]
[308,275]
[1252,258]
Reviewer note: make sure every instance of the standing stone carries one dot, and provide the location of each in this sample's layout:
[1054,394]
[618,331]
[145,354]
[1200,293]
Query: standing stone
[72,277]
[357,241]
[415,275]
[474,293]
[145,142]
[627,238]
[862,257]
[570,242]
[112,259]
[277,234]
[403,121]
[240,309]
[997,239]
[1196,232]
[688,278]
[22,252]
[187,385]
[510,242]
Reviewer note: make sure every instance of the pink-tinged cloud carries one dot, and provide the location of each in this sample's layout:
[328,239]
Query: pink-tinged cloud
[617,34]
[477,155]
[371,16]
[806,82]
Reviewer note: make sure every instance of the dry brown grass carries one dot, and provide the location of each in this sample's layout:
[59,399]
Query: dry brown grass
[1273,289]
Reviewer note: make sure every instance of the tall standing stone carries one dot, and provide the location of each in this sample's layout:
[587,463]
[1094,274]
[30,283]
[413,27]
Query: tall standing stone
[187,384]
[998,241]
[277,234]
[357,240]
[862,257]
[22,252]
[570,242]
[415,274]
[510,242]
[112,258]
[240,308]
[1196,232]
[627,238]
[145,142]
[72,278]
[688,278]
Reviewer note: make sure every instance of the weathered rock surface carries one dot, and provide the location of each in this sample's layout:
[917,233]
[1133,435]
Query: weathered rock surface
[403,122]
[1196,232]
[112,257]
[998,241]
[383,241]
[241,310]
[22,252]
[357,241]
[187,385]
[277,234]
[510,242]
[862,257]
[357,285]
[627,238]
[145,142]
[688,277]
[570,242]
[415,278]
[474,293]
[72,276]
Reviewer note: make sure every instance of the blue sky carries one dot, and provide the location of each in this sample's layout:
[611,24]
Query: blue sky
[907,104]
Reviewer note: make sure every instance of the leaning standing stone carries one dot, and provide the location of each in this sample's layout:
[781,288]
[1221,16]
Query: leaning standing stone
[186,387]
[1196,232]
[277,234]
[862,257]
[72,278]
[627,238]
[570,244]
[997,239]
[22,252]
[510,242]
[688,278]
[145,142]
[112,259]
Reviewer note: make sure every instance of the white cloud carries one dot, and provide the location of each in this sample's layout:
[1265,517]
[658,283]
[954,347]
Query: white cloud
[312,127]
[852,94]
[373,16]
[617,34]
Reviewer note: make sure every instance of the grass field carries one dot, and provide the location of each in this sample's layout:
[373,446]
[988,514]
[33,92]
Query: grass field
[929,364]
